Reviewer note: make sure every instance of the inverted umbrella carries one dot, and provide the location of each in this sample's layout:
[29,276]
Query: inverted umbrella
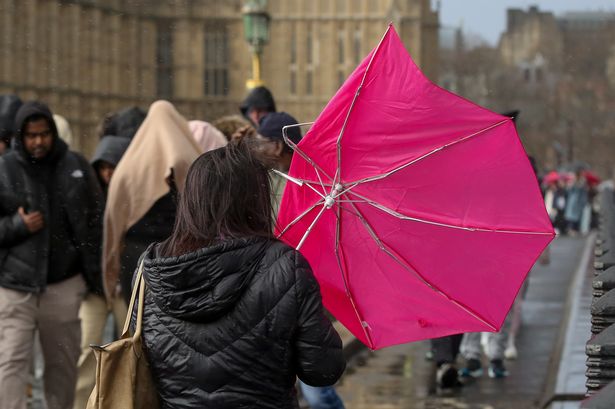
[418,210]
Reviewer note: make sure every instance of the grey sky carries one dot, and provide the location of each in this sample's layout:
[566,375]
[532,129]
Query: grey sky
[488,17]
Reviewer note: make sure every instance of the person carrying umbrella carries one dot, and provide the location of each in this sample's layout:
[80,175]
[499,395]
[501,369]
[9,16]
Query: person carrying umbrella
[231,315]
[278,155]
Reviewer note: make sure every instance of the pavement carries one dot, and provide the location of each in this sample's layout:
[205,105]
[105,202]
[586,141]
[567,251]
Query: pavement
[401,377]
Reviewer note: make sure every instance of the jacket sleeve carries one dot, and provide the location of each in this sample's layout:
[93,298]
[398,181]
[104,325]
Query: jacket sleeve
[12,230]
[90,231]
[320,359]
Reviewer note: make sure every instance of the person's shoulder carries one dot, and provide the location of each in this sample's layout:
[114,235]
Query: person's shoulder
[8,157]
[76,157]
[75,163]
[8,161]
[281,257]
[279,251]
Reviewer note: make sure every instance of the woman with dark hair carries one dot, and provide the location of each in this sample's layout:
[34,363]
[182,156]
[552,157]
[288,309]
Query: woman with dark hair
[231,315]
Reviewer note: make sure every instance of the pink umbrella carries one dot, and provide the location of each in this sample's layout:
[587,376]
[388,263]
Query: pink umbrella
[418,210]
[552,177]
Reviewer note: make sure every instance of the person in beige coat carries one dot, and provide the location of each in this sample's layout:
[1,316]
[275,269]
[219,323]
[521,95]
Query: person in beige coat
[141,205]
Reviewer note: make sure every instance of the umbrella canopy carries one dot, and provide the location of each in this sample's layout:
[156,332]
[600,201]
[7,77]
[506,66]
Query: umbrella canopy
[552,177]
[418,210]
[591,177]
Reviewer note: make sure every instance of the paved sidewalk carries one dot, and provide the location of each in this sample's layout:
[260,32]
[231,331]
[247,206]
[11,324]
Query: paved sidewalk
[400,377]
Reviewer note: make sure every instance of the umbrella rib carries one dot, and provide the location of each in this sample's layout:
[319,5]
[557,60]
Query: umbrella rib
[344,272]
[433,223]
[309,229]
[301,182]
[338,172]
[409,267]
[420,158]
[298,218]
[309,160]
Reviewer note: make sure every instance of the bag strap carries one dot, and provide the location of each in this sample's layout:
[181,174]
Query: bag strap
[140,288]
[136,338]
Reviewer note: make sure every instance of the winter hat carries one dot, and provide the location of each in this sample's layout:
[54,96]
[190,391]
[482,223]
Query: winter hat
[271,127]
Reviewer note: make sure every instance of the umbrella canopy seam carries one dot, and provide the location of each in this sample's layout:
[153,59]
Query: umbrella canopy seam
[344,272]
[436,150]
[402,216]
[338,172]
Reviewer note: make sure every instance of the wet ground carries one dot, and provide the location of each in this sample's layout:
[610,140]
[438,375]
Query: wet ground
[401,377]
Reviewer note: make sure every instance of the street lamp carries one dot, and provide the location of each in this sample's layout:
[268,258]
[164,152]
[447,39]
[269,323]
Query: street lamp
[256,32]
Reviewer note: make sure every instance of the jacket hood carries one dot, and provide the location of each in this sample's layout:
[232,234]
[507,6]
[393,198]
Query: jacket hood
[25,112]
[203,285]
[259,97]
[9,105]
[126,122]
[110,149]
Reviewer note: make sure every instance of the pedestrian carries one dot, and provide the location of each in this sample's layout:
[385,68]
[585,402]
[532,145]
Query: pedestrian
[94,309]
[275,152]
[229,124]
[49,224]
[445,351]
[278,155]
[9,105]
[207,136]
[576,202]
[555,202]
[257,105]
[231,315]
[495,345]
[141,203]
[125,122]
[64,130]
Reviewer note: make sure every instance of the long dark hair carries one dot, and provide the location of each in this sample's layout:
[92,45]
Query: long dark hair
[227,195]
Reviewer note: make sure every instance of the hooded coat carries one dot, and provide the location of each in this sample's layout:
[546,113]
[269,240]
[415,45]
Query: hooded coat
[233,324]
[63,187]
[125,122]
[9,105]
[110,149]
[140,206]
[259,98]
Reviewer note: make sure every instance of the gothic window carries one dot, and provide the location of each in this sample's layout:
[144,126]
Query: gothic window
[164,59]
[216,64]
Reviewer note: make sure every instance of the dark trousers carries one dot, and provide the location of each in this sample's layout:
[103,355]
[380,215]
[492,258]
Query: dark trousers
[445,349]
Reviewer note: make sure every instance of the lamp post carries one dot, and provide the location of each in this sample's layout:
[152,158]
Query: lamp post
[256,32]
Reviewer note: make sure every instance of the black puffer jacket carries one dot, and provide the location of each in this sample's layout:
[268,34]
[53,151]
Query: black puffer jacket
[63,187]
[232,325]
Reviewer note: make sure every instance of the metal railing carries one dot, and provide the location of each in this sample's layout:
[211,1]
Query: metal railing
[600,349]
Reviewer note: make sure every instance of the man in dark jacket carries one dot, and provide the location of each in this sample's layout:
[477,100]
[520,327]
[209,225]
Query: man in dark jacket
[50,211]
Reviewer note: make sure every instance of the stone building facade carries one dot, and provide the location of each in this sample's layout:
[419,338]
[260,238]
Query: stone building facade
[89,57]
[561,70]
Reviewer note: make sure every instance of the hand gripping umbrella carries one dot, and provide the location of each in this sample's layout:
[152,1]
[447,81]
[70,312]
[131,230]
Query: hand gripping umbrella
[418,210]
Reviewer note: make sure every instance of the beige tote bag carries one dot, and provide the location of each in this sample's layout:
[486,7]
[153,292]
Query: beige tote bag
[123,377]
